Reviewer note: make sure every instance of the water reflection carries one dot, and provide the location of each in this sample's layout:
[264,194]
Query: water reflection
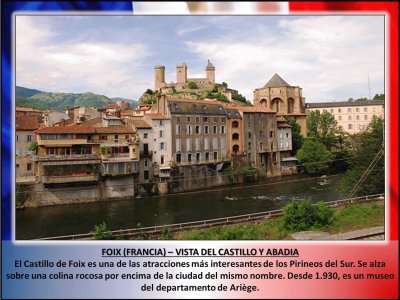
[168,209]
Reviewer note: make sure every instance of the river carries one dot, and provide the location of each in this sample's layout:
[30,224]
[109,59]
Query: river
[219,202]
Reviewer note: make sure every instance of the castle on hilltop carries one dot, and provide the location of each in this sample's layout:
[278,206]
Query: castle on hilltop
[182,79]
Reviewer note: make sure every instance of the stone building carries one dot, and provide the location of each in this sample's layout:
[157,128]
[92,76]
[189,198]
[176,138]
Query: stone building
[260,139]
[284,99]
[25,127]
[354,116]
[199,131]
[235,143]
[182,78]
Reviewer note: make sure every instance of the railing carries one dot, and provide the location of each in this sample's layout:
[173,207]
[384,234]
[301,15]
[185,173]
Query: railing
[65,157]
[209,223]
[145,154]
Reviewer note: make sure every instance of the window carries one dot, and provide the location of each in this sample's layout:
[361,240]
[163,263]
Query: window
[197,119]
[116,138]
[287,144]
[272,145]
[17,139]
[178,119]
[162,146]
[178,145]
[178,158]
[222,129]
[189,157]
[29,167]
[249,147]
[162,159]
[235,124]
[349,109]
[281,145]
[281,135]
[146,163]
[223,120]
[146,174]
[271,134]
[357,109]
[161,133]
[215,129]
[215,119]
[188,119]
[205,119]
[207,156]
[161,123]
[29,138]
[17,166]
[365,109]
[103,137]
[145,135]
[349,118]
[249,135]
[206,129]
[235,136]
[197,157]
[197,129]
[357,117]
[188,145]
[340,118]
[339,110]
[287,134]
[189,129]
[178,129]
[331,110]
[215,155]
[350,126]
[206,145]
[365,117]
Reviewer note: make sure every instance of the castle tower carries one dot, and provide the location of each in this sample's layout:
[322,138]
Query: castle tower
[181,73]
[210,72]
[159,77]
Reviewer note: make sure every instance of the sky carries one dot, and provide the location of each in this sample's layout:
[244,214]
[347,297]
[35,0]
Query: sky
[331,58]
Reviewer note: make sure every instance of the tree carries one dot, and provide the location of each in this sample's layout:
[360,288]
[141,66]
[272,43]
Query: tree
[379,97]
[192,85]
[297,138]
[303,215]
[369,143]
[314,157]
[323,126]
[33,147]
[101,232]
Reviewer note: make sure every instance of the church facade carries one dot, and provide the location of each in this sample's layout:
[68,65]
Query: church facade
[284,99]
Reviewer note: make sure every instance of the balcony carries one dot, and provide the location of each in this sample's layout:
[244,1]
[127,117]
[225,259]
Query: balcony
[146,154]
[62,142]
[70,178]
[71,157]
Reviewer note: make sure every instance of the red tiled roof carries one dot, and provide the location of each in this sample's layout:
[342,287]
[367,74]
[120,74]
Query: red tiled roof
[110,106]
[26,123]
[157,116]
[114,129]
[254,109]
[67,129]
[284,125]
[140,124]
[20,108]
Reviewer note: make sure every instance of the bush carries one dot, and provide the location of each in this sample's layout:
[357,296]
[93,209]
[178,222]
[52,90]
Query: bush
[192,85]
[101,232]
[303,215]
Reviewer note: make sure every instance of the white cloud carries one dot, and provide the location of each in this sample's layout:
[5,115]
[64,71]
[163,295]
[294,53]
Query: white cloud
[320,54]
[99,67]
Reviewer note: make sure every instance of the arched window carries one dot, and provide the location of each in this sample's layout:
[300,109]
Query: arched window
[290,105]
[235,149]
[235,136]
[263,103]
[277,105]
[235,124]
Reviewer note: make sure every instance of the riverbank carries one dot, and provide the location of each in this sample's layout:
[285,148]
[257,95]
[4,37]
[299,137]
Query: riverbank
[350,218]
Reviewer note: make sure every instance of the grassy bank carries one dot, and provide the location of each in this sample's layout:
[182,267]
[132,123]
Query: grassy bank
[352,217]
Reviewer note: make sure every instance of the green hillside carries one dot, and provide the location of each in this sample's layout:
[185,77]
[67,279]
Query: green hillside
[25,92]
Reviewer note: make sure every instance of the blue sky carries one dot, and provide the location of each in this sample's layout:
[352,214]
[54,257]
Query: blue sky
[330,57]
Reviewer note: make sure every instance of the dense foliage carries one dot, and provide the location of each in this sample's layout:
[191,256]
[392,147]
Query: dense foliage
[313,157]
[101,232]
[303,215]
[367,145]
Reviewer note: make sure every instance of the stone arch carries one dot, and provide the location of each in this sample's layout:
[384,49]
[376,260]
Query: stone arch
[235,124]
[235,149]
[277,105]
[290,105]
[263,103]
[235,136]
